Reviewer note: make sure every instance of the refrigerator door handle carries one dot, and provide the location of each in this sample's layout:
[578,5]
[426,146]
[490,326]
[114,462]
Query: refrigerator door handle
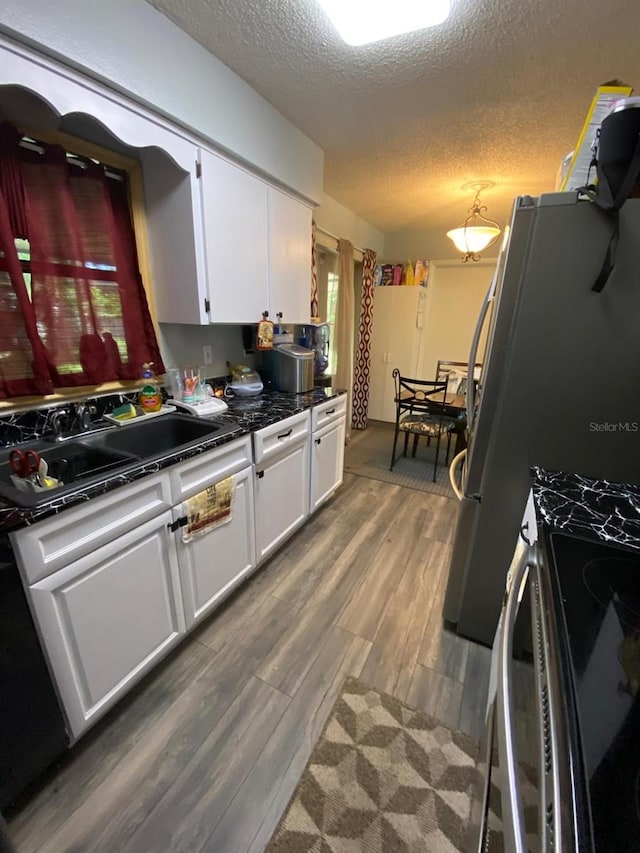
[475,343]
[457,460]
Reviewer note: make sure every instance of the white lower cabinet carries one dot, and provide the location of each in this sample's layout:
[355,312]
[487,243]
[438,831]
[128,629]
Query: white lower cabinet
[327,461]
[113,586]
[213,563]
[108,617]
[282,496]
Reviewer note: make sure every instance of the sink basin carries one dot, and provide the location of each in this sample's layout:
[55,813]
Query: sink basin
[157,436]
[71,462]
[91,456]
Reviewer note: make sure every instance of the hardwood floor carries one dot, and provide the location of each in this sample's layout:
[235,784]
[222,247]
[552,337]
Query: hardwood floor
[206,752]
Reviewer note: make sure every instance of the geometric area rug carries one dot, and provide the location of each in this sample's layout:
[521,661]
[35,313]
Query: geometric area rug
[382,778]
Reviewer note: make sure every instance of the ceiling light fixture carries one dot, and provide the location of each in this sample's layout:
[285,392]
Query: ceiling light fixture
[477,232]
[362,22]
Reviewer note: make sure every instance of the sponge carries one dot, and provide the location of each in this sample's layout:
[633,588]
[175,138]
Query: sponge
[123,413]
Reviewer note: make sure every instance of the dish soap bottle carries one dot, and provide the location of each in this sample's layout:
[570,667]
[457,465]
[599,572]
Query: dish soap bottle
[150,396]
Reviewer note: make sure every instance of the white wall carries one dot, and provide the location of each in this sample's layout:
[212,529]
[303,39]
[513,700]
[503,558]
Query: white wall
[405,244]
[182,346]
[454,297]
[339,220]
[130,46]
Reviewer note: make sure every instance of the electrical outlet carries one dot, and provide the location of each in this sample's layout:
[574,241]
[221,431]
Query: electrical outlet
[207,355]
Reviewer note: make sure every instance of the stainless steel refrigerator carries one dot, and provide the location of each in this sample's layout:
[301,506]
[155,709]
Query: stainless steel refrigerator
[560,385]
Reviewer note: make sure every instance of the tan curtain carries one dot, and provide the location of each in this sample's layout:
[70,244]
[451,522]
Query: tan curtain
[345,318]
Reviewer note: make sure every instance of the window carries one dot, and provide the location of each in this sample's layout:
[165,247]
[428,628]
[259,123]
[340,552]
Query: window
[332,304]
[70,287]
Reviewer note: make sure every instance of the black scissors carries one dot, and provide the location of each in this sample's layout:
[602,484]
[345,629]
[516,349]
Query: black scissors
[25,464]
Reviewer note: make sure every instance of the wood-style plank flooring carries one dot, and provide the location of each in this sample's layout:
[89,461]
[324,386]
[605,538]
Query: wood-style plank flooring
[206,752]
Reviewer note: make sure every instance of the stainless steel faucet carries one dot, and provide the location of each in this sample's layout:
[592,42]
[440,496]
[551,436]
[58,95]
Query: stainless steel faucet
[57,419]
[82,417]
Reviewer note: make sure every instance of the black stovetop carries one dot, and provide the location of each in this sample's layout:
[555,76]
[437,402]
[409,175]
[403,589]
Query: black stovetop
[599,590]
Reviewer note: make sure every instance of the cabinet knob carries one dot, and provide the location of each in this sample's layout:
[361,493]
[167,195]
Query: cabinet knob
[259,474]
[318,441]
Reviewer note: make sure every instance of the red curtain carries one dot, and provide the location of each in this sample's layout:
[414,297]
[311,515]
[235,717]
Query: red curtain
[24,369]
[87,298]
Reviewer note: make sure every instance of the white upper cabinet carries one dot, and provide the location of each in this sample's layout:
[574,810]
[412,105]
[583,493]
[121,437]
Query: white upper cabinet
[226,246]
[289,258]
[234,208]
[176,244]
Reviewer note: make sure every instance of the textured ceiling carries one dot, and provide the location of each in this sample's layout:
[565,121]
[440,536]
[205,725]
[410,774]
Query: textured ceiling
[498,93]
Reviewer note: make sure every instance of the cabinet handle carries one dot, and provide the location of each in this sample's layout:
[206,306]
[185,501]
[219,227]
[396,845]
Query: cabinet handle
[179,522]
[318,441]
[329,411]
[259,474]
[285,434]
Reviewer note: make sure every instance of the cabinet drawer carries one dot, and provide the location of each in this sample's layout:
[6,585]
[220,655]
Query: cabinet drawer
[274,439]
[329,411]
[57,541]
[197,473]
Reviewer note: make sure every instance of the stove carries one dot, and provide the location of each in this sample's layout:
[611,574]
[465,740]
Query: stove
[598,586]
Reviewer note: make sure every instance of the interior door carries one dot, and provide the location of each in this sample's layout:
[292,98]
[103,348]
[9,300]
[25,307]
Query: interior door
[382,319]
[403,342]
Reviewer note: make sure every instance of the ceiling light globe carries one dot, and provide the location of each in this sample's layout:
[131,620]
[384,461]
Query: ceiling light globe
[474,238]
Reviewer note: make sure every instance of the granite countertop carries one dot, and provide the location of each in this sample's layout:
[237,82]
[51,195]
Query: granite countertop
[244,416]
[594,509]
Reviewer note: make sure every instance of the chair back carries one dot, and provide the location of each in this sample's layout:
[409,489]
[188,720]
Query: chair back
[456,372]
[419,395]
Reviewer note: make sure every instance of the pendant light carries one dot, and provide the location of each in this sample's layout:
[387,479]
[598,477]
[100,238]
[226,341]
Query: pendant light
[477,232]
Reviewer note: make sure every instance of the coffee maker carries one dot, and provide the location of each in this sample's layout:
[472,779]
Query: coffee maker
[315,336]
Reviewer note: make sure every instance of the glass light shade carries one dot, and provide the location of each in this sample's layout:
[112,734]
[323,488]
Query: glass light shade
[473,238]
[361,22]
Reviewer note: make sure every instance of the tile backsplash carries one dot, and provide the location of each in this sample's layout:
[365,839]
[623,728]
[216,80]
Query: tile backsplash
[36,423]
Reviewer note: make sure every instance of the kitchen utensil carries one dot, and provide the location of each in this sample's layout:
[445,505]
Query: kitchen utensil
[25,463]
[45,481]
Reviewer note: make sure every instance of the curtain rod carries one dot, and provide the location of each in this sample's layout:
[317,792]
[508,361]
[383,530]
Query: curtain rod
[336,238]
[32,145]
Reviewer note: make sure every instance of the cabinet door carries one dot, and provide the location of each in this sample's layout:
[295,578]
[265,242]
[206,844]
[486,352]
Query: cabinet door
[282,497]
[289,258]
[380,356]
[106,619]
[212,564]
[174,228]
[395,343]
[234,205]
[327,461]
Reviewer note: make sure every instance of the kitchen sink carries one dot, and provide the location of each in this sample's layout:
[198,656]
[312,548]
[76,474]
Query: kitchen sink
[90,456]
[157,436]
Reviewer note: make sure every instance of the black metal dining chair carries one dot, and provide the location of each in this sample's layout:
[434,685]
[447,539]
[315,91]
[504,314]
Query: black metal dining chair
[420,411]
